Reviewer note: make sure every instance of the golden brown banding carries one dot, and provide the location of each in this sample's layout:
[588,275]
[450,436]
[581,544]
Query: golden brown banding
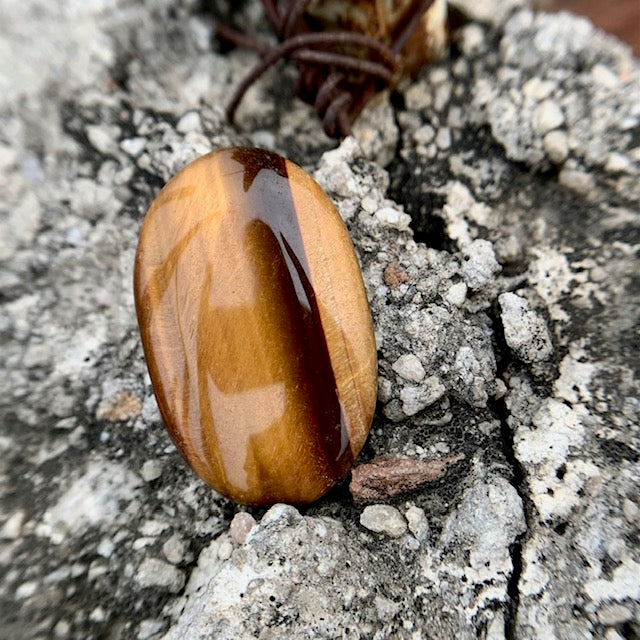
[255,327]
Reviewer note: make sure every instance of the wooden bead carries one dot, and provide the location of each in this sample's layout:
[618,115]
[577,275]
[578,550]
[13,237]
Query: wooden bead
[256,328]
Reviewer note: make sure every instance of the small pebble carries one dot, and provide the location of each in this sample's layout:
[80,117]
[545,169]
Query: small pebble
[174,549]
[190,121]
[389,217]
[157,573]
[416,398]
[409,367]
[133,146]
[97,615]
[424,135]
[617,163]
[151,470]
[105,548]
[388,476]
[383,518]
[525,331]
[538,89]
[119,407]
[418,524]
[240,527]
[263,139]
[385,390]
[418,97]
[471,38]
[443,138]
[556,146]
[103,139]
[62,629]
[456,294]
[580,181]
[26,590]
[604,76]
[479,266]
[13,526]
[546,117]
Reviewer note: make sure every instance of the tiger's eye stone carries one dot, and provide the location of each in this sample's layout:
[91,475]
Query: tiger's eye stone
[256,328]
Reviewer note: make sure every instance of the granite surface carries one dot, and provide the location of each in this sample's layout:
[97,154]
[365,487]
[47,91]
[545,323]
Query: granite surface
[494,203]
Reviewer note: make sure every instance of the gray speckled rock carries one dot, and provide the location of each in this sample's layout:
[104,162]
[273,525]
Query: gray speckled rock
[496,218]
[525,332]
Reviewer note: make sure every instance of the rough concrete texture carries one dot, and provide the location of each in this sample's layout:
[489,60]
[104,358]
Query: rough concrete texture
[495,210]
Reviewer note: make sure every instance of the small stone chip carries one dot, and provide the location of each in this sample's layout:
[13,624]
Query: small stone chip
[12,528]
[103,138]
[556,146]
[151,470]
[416,398]
[157,573]
[190,121]
[418,524]
[457,294]
[409,367]
[480,266]
[241,526]
[525,331]
[389,217]
[389,476]
[133,146]
[383,518]
[394,275]
[547,116]
[174,549]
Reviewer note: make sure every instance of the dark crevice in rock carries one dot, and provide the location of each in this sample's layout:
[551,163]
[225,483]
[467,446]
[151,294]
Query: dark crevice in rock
[519,480]
[397,102]
[515,550]
[428,227]
[630,631]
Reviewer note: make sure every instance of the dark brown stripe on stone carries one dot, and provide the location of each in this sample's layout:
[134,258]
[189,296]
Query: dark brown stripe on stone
[275,236]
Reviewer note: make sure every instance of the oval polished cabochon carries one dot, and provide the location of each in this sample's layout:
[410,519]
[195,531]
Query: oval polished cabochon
[256,327]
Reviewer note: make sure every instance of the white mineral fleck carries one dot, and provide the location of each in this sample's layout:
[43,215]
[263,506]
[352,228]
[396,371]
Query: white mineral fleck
[133,146]
[443,138]
[389,217]
[556,146]
[190,121]
[225,549]
[624,584]
[12,528]
[547,116]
